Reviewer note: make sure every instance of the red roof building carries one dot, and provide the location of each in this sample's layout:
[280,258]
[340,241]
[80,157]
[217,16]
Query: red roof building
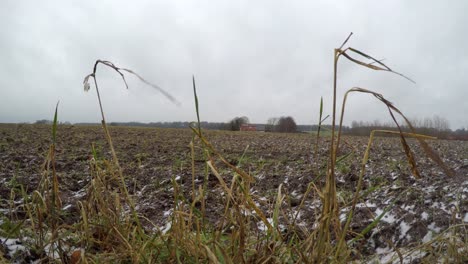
[248,127]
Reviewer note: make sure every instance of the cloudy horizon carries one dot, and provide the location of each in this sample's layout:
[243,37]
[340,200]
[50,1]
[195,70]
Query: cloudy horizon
[258,59]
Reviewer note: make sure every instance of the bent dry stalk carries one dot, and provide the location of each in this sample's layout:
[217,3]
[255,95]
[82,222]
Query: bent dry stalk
[329,217]
[106,130]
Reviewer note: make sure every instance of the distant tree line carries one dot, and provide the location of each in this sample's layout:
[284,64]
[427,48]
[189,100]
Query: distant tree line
[277,124]
[436,126]
[204,124]
[49,122]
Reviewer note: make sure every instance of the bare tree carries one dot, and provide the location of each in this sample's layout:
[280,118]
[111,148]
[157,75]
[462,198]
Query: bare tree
[236,123]
[286,124]
[281,124]
[271,124]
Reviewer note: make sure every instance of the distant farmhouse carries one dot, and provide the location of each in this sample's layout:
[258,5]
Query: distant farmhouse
[248,127]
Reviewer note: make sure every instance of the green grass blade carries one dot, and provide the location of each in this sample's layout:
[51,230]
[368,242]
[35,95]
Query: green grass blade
[196,104]
[321,107]
[54,124]
[241,159]
[94,151]
[376,220]
[344,157]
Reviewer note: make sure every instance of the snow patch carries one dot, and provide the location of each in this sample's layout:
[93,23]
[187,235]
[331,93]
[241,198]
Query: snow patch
[427,237]
[388,217]
[424,216]
[404,227]
[365,205]
[80,194]
[409,208]
[295,194]
[343,217]
[168,212]
[441,206]
[434,228]
[297,214]
[13,246]
[385,255]
[166,228]
[262,227]
[430,189]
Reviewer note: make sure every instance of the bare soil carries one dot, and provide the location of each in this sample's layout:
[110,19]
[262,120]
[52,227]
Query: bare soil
[150,158]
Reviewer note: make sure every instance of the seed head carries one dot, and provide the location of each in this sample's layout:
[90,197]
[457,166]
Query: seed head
[86,83]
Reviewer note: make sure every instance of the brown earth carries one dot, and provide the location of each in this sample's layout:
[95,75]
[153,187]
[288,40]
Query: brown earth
[150,157]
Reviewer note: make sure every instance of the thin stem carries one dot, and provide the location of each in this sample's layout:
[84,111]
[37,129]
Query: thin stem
[114,155]
[99,96]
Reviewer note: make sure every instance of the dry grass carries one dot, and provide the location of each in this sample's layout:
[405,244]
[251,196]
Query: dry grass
[110,229]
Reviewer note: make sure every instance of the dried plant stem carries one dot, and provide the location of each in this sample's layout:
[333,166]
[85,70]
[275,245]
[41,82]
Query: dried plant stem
[330,205]
[109,138]
[329,217]
[341,242]
[120,71]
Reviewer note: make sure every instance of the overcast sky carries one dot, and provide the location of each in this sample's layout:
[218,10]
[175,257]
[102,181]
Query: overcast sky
[260,59]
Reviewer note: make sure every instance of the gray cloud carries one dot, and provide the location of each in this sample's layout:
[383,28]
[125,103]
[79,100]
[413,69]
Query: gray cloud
[259,59]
